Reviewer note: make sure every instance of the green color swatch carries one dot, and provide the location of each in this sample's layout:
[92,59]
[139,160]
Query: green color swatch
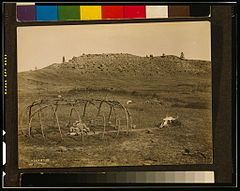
[68,13]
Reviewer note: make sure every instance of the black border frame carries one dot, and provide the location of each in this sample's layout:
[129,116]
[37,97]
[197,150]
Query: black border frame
[224,85]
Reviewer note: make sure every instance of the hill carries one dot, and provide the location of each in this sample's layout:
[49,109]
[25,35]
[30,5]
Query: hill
[124,71]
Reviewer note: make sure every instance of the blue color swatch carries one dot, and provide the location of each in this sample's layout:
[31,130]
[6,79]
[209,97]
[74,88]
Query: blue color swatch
[46,13]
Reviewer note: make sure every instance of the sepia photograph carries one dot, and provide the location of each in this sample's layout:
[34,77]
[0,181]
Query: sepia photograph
[124,94]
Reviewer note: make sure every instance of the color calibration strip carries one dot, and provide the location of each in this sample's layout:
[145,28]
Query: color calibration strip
[52,12]
[88,178]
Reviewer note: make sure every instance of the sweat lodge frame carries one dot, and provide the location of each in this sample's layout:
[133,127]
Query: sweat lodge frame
[74,105]
[223,27]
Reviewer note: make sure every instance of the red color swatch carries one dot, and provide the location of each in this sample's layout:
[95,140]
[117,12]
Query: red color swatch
[112,12]
[134,12]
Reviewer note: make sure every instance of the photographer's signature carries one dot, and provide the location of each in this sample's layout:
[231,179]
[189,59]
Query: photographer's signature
[39,162]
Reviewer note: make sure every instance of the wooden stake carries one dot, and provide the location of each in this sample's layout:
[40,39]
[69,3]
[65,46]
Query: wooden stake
[40,121]
[126,115]
[110,113]
[70,115]
[118,121]
[30,127]
[29,119]
[99,108]
[84,109]
[131,123]
[56,116]
[104,126]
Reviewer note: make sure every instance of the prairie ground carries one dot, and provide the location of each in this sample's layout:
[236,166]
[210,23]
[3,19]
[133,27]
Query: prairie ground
[188,143]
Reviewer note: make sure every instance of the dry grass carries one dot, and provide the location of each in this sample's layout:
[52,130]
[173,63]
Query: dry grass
[155,147]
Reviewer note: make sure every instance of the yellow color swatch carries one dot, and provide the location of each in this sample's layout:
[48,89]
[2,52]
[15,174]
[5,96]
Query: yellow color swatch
[90,12]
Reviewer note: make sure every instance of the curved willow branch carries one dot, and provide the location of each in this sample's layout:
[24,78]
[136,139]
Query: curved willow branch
[31,118]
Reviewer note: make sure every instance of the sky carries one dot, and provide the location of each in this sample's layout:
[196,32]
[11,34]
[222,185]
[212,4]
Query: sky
[41,46]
